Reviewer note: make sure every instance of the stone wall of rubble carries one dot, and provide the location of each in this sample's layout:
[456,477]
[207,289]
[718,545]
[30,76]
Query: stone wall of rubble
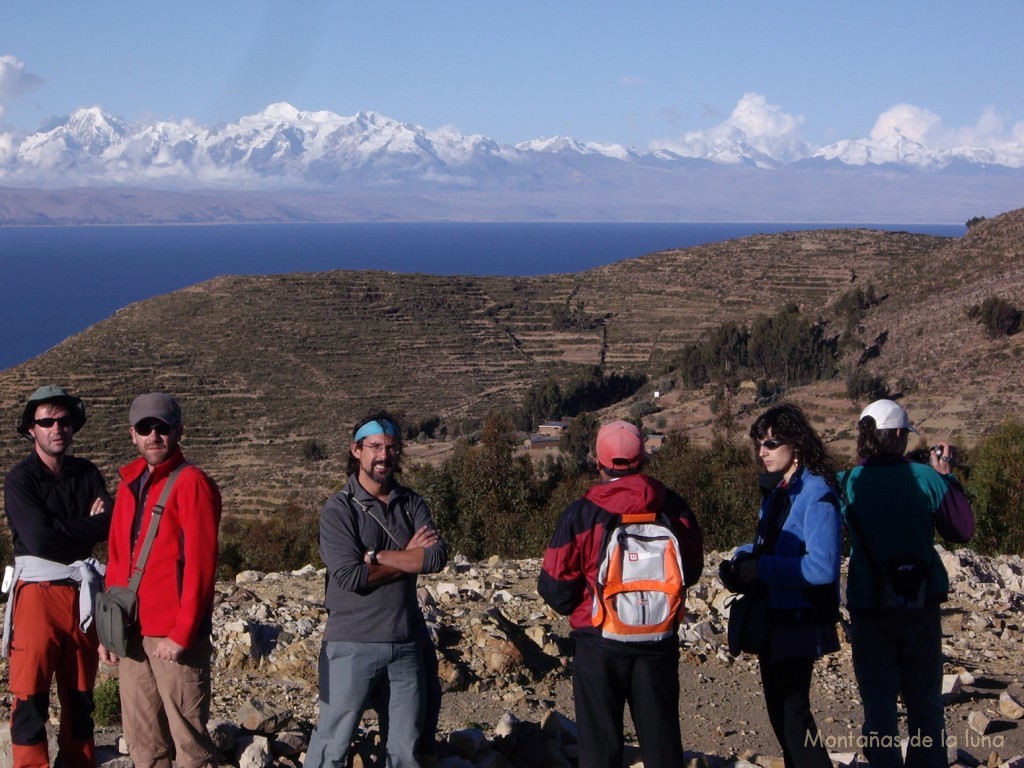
[498,640]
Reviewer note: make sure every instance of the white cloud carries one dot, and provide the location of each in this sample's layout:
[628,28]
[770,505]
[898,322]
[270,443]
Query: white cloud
[756,117]
[8,149]
[1018,133]
[629,81]
[14,80]
[754,127]
[905,120]
[925,127]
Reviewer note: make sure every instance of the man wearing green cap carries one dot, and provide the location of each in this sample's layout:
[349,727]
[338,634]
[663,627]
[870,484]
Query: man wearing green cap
[58,508]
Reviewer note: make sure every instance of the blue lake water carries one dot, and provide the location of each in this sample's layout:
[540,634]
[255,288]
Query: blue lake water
[57,281]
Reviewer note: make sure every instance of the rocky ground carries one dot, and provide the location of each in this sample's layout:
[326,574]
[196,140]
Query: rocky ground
[503,667]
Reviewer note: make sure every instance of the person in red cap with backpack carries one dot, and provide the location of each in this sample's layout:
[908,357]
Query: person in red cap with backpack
[618,565]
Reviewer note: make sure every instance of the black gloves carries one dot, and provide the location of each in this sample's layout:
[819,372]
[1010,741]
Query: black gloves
[740,574]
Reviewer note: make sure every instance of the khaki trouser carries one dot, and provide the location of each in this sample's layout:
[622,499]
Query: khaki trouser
[165,703]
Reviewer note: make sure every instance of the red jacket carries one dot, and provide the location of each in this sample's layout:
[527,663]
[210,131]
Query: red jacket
[569,570]
[176,592]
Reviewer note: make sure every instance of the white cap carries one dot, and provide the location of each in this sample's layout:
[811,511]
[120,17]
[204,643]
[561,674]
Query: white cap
[888,414]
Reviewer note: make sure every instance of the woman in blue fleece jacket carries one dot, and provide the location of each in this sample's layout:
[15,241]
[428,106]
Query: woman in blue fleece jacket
[794,562]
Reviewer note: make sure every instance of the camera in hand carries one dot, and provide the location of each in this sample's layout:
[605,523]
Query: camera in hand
[923,455]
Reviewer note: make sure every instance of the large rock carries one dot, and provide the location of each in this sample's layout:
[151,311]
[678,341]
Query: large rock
[1010,706]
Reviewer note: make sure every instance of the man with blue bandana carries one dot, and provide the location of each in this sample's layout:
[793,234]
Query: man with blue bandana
[375,537]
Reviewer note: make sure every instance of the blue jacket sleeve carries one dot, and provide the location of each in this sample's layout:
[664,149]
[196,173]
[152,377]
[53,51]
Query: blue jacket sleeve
[809,547]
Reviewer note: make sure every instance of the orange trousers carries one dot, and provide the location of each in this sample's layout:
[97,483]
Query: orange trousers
[46,640]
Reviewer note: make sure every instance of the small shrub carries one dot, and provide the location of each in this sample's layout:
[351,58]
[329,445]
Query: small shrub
[861,386]
[283,540]
[719,482]
[313,450]
[424,428]
[996,487]
[997,316]
[107,700]
[640,408]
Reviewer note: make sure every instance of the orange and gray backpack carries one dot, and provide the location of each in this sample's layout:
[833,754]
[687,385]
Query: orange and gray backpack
[639,595]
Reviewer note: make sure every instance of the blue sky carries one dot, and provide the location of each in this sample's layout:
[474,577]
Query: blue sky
[638,73]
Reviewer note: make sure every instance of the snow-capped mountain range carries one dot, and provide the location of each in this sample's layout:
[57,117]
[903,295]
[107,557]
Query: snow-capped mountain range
[283,149]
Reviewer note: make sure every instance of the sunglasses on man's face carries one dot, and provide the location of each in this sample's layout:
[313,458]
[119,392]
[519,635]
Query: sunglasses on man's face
[771,444]
[159,427]
[63,421]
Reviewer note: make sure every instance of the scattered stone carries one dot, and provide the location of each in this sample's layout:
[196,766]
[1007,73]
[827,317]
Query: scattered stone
[259,717]
[255,754]
[951,688]
[223,735]
[467,742]
[505,725]
[558,726]
[496,638]
[844,759]
[1010,706]
[289,743]
[978,722]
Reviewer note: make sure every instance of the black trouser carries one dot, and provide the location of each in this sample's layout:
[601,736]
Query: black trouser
[901,657]
[606,675]
[787,694]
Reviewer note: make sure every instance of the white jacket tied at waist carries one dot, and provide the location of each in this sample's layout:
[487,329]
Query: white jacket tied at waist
[88,572]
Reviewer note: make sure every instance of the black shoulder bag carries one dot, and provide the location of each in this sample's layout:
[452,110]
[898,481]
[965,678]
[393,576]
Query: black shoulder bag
[749,627]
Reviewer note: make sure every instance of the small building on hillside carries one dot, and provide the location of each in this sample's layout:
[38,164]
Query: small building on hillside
[554,428]
[541,442]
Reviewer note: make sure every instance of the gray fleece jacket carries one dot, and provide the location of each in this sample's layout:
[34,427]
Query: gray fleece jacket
[351,523]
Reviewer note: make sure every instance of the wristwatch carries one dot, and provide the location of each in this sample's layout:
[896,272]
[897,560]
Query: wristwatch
[372,554]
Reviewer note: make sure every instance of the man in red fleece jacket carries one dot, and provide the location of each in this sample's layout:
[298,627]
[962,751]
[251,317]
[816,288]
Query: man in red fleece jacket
[608,673]
[165,683]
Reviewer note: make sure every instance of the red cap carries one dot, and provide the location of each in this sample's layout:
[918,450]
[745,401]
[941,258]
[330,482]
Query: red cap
[620,445]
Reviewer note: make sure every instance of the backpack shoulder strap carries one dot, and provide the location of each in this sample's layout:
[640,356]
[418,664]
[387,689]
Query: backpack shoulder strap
[154,524]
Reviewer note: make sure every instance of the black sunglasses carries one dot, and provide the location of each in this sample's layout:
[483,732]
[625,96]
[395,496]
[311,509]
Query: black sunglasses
[159,427]
[771,444]
[49,421]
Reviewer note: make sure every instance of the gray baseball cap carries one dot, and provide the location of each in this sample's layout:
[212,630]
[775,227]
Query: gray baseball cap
[155,405]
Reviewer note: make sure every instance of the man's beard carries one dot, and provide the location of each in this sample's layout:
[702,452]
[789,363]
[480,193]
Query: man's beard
[383,471]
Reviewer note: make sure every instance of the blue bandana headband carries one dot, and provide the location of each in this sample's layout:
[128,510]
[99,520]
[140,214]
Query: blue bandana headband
[376,428]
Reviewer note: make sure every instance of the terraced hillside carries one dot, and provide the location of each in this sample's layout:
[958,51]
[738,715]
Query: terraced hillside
[264,364]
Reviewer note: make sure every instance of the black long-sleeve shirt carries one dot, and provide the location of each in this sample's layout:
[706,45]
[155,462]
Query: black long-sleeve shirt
[49,515]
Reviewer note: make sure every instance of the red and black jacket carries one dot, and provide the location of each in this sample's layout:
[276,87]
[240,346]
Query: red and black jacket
[569,571]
